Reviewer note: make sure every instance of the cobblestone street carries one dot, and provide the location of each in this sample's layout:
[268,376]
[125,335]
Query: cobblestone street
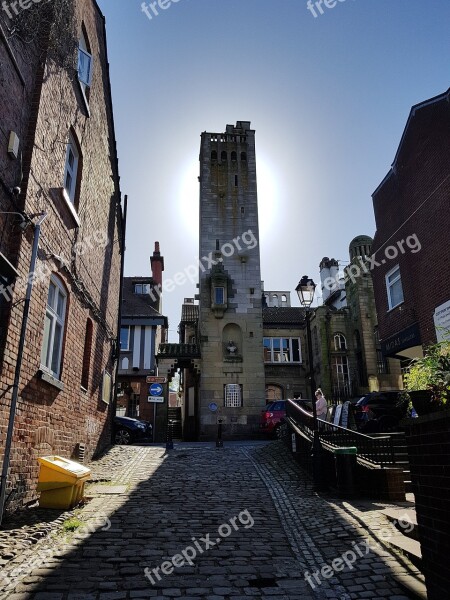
[243,519]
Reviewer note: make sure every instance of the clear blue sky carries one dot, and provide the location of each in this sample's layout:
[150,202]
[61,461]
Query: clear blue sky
[327,96]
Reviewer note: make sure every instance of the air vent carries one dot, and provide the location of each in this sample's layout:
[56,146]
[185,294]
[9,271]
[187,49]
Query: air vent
[81,451]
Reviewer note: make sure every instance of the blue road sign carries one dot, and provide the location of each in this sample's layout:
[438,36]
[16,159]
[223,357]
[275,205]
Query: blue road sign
[155,389]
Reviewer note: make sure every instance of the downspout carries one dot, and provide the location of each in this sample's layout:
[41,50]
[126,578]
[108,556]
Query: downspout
[15,393]
[119,313]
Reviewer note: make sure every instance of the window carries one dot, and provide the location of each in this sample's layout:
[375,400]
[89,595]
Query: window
[87,355]
[243,157]
[273,392]
[219,295]
[124,338]
[84,64]
[223,156]
[341,377]
[340,343]
[71,169]
[394,287]
[142,288]
[234,156]
[233,395]
[282,350]
[54,328]
[213,155]
[106,388]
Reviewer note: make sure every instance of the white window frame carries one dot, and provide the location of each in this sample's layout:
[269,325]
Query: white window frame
[232,395]
[71,170]
[84,68]
[128,338]
[144,288]
[341,374]
[337,346]
[390,284]
[52,314]
[290,349]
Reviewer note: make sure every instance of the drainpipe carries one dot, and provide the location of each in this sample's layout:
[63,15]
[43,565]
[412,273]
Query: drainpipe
[119,314]
[15,393]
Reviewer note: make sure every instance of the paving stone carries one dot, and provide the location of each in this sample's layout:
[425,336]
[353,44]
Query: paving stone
[167,504]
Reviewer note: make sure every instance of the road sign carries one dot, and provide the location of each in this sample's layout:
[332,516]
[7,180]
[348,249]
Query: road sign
[152,379]
[212,406]
[156,389]
[156,399]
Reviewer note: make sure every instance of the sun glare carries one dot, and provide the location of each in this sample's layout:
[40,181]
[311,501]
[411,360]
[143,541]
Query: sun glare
[188,197]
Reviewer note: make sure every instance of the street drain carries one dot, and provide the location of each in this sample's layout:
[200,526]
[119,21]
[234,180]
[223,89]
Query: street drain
[263,582]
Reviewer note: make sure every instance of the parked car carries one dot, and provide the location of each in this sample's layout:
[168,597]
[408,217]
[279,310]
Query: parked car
[128,430]
[380,411]
[274,413]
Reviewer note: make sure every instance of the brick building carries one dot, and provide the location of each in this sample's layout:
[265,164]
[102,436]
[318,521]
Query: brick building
[412,213]
[143,328]
[58,154]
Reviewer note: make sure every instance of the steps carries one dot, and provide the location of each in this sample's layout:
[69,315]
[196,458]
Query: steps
[407,543]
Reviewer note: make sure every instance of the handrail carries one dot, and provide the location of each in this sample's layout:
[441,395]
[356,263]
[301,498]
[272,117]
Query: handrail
[377,450]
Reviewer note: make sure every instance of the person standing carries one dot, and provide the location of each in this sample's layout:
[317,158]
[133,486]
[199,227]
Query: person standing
[321,405]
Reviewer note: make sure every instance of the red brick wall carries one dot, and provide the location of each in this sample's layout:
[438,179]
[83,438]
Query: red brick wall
[415,200]
[428,441]
[49,420]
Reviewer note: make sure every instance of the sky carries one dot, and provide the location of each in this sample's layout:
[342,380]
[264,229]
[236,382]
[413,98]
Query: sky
[328,96]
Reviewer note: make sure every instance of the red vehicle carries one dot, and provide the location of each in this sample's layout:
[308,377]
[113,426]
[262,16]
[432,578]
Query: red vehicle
[274,413]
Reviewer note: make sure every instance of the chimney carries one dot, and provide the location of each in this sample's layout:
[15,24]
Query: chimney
[157,263]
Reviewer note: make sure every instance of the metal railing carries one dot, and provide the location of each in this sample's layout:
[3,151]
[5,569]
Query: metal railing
[376,450]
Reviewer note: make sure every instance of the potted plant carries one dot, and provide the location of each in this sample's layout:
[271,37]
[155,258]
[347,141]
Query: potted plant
[428,379]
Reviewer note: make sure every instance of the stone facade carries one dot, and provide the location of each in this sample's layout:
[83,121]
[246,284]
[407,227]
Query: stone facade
[347,357]
[63,405]
[230,289]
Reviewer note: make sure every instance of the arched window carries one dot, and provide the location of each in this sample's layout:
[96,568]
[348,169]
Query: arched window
[223,156]
[234,156]
[213,155]
[244,156]
[340,343]
[275,300]
[283,299]
[274,392]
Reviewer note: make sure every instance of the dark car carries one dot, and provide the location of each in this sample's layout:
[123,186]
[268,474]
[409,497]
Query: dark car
[274,413]
[128,430]
[380,411]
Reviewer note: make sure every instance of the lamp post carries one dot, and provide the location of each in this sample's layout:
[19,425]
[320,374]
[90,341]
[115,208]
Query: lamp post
[305,290]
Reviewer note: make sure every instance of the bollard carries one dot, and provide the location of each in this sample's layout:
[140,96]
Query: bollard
[219,442]
[345,459]
[169,440]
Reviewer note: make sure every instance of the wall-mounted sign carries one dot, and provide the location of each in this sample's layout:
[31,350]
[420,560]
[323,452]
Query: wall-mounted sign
[153,379]
[156,399]
[442,321]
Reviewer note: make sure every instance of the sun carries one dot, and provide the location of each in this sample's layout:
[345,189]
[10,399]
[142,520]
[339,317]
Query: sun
[188,197]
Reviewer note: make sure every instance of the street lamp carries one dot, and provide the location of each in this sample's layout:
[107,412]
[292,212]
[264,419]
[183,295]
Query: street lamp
[305,290]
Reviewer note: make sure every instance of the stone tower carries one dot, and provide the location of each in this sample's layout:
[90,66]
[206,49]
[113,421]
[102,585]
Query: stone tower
[232,375]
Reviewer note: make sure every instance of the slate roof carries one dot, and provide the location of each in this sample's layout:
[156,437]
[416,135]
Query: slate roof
[138,305]
[190,313]
[283,315]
